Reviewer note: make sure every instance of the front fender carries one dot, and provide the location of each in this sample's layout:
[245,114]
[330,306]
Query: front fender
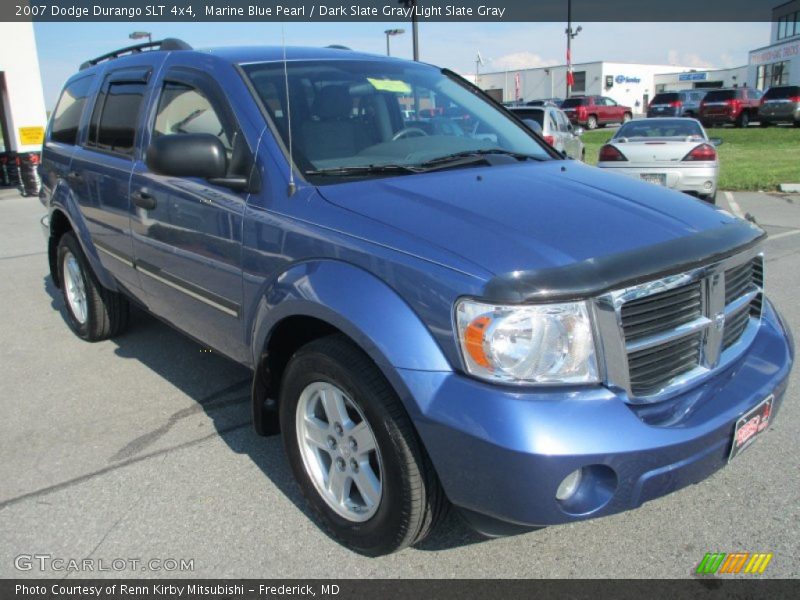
[357,303]
[63,201]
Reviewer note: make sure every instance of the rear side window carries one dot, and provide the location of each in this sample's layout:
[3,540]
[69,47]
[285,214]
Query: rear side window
[67,116]
[779,93]
[573,102]
[720,95]
[114,120]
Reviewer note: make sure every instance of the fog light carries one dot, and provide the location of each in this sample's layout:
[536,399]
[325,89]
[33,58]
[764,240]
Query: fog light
[569,485]
[708,185]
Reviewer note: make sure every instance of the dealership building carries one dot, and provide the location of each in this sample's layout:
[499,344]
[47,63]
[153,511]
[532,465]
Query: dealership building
[631,84]
[778,63]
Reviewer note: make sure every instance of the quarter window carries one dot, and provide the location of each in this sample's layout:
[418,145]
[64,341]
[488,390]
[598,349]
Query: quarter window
[67,116]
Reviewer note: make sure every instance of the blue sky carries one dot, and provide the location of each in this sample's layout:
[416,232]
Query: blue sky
[63,46]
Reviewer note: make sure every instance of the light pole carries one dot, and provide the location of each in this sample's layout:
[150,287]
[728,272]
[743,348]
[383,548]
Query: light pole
[389,33]
[139,35]
[412,4]
[570,36]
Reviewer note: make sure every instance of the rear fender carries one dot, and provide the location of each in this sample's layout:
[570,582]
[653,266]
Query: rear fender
[63,201]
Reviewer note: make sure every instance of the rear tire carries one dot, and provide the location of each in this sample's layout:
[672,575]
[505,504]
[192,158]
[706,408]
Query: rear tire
[763,124]
[591,122]
[797,123]
[711,198]
[744,120]
[93,312]
[410,501]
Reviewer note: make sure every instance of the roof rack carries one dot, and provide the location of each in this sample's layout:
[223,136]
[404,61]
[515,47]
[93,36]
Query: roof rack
[165,44]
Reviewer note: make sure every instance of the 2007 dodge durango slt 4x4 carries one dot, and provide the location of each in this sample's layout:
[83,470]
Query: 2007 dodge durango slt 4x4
[438,312]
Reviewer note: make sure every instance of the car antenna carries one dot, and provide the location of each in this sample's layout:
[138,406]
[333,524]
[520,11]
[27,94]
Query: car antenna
[292,187]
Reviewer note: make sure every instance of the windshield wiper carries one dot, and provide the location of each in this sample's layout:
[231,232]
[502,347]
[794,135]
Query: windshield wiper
[361,170]
[468,157]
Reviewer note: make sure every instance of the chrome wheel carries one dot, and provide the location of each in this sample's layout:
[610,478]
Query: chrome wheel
[74,287]
[339,451]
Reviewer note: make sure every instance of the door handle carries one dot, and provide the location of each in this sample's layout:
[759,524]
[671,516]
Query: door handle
[75,176]
[143,199]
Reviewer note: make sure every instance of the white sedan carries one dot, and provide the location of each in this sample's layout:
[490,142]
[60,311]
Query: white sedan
[675,153]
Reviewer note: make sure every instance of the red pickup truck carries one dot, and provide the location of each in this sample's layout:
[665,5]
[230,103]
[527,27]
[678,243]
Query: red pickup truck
[738,106]
[595,111]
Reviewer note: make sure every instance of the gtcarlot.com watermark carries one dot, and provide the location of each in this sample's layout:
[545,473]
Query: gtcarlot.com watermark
[60,564]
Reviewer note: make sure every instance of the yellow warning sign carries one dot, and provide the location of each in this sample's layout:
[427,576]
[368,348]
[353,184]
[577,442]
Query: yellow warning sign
[31,136]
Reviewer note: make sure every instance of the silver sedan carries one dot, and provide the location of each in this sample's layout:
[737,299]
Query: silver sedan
[675,153]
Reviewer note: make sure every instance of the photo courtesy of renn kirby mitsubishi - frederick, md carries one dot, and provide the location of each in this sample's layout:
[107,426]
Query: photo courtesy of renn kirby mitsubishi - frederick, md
[435,319]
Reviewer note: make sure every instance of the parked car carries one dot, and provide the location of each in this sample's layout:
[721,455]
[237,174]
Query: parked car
[736,106]
[431,318]
[780,104]
[556,129]
[676,104]
[595,111]
[676,153]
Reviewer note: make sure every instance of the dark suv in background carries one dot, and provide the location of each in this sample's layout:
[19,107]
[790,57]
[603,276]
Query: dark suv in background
[780,104]
[595,111]
[676,104]
[737,106]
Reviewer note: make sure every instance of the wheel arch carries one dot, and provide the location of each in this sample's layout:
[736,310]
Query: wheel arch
[325,297]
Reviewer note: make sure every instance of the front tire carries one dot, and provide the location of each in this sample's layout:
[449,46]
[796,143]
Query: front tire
[354,451]
[626,117]
[93,312]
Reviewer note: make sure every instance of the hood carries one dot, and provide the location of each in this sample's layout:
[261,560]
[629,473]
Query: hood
[539,217]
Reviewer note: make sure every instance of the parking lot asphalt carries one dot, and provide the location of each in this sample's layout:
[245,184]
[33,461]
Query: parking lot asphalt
[141,448]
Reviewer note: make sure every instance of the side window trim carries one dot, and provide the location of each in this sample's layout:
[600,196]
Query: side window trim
[133,75]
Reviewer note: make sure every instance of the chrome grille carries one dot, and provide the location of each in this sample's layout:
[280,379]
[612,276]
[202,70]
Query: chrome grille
[661,312]
[662,334]
[650,368]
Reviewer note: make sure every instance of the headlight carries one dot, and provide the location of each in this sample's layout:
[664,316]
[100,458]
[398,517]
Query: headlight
[545,343]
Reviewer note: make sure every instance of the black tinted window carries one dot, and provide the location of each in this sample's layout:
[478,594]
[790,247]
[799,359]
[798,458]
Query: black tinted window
[788,91]
[535,115]
[67,116]
[115,130]
[573,102]
[666,98]
[720,95]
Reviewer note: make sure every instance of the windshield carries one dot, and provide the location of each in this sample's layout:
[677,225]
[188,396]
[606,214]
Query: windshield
[661,128]
[358,114]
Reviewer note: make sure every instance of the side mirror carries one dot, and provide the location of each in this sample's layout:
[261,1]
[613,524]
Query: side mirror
[188,155]
[715,141]
[579,131]
[193,155]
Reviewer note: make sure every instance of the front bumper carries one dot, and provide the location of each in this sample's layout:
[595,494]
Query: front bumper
[501,453]
[688,178]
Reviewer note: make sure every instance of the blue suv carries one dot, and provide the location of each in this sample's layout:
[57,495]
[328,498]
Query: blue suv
[438,308]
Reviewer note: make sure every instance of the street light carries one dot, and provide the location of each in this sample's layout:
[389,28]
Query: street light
[571,34]
[389,33]
[412,4]
[139,35]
